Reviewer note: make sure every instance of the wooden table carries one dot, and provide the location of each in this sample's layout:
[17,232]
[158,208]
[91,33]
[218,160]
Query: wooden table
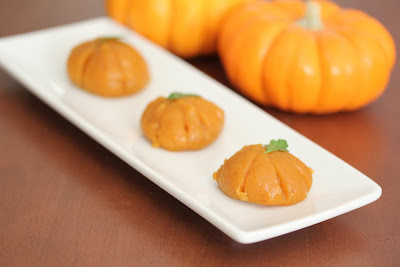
[65,200]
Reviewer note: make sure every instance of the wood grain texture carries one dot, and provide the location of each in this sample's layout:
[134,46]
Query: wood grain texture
[66,201]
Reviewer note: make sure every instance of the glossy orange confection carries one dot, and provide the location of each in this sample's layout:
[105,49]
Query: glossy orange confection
[107,67]
[186,123]
[276,178]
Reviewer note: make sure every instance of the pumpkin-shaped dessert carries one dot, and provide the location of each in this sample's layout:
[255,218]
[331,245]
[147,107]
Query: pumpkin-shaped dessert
[306,57]
[182,122]
[266,176]
[107,67]
[187,28]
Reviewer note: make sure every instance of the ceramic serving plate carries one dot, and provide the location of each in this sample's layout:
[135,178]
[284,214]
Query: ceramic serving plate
[38,61]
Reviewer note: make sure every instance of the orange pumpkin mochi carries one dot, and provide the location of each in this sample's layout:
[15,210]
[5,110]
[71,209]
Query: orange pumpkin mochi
[306,57]
[276,178]
[182,122]
[107,67]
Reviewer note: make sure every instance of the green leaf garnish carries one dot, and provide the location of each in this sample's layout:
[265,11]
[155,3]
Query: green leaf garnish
[179,95]
[108,38]
[277,145]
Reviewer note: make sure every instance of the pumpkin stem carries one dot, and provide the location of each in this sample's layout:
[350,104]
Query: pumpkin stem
[312,17]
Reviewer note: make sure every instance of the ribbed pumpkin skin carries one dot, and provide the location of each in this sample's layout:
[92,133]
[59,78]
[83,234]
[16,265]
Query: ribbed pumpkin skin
[187,123]
[186,28]
[107,67]
[275,62]
[276,178]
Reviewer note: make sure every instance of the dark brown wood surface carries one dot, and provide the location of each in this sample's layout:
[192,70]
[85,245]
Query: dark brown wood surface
[65,200]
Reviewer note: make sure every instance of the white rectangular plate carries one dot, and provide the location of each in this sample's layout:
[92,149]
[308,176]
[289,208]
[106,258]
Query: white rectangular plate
[38,60]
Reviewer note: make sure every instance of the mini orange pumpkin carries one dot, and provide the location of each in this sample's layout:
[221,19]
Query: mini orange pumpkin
[276,178]
[182,122]
[306,58]
[107,67]
[188,28]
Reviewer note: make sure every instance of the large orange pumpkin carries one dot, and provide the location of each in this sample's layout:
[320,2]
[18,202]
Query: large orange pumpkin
[188,28]
[306,58]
